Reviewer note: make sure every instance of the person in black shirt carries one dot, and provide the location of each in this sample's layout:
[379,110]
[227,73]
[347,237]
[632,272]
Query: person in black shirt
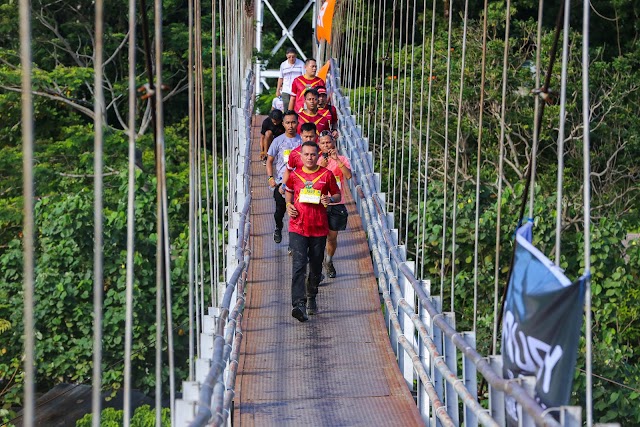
[271,128]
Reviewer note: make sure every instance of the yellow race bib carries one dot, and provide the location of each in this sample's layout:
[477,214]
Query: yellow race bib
[286,154]
[309,195]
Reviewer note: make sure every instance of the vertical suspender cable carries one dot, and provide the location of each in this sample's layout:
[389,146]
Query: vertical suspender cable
[563,109]
[28,225]
[225,122]
[131,207]
[428,131]
[587,205]
[376,83]
[409,169]
[198,172]
[478,164]
[350,45]
[385,56]
[537,116]
[496,269]
[192,337]
[370,59]
[401,222]
[454,205]
[357,69]
[98,123]
[392,181]
[364,65]
[166,256]
[214,152]
[389,206]
[445,156]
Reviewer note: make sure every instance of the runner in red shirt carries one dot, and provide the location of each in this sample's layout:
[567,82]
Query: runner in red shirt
[310,189]
[311,114]
[326,109]
[305,81]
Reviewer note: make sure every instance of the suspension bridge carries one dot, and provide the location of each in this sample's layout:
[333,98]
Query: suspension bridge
[386,347]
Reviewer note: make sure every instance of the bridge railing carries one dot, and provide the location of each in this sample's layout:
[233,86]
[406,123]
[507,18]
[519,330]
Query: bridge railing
[207,399]
[424,338]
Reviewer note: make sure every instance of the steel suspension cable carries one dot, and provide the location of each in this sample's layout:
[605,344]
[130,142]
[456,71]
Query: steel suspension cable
[369,105]
[214,150]
[385,56]
[98,272]
[163,219]
[396,119]
[446,155]
[128,335]
[376,85]
[364,55]
[401,222]
[563,115]
[389,205]
[198,171]
[351,45]
[586,187]
[503,108]
[478,164]
[428,125]
[28,193]
[537,115]
[225,121]
[357,69]
[454,205]
[192,338]
[410,155]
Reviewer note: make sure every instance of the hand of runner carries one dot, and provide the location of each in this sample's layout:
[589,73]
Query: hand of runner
[291,210]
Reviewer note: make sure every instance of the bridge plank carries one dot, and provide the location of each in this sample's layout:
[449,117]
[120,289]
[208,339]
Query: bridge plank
[337,369]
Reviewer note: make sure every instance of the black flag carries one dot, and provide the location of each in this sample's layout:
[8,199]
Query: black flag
[540,326]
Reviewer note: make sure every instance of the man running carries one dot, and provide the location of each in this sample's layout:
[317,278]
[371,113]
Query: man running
[310,189]
[336,212]
[271,128]
[305,81]
[310,114]
[278,153]
[328,110]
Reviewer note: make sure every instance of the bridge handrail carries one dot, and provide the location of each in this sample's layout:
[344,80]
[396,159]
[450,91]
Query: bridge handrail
[215,398]
[365,177]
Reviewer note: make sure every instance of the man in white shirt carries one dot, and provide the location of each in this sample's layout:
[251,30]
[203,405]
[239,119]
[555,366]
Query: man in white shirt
[289,70]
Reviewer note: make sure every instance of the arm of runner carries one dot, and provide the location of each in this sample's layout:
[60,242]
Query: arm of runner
[343,164]
[271,180]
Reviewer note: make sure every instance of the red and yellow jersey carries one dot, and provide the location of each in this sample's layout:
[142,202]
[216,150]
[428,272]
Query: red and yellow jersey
[322,121]
[299,85]
[307,188]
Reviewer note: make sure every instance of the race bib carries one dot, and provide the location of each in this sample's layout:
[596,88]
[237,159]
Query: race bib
[338,182]
[285,154]
[310,195]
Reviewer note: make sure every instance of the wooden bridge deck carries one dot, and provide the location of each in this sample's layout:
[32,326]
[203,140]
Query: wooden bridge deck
[337,369]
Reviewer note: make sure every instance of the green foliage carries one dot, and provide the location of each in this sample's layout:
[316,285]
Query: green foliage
[397,143]
[144,416]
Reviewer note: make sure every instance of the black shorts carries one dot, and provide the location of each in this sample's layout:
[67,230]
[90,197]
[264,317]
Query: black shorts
[337,217]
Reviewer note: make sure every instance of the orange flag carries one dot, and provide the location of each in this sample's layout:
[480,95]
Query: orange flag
[322,72]
[325,19]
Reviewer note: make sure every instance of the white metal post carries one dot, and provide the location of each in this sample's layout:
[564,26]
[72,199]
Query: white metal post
[259,21]
[424,403]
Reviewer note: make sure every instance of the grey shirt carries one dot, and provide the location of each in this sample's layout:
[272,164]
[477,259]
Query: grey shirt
[279,150]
